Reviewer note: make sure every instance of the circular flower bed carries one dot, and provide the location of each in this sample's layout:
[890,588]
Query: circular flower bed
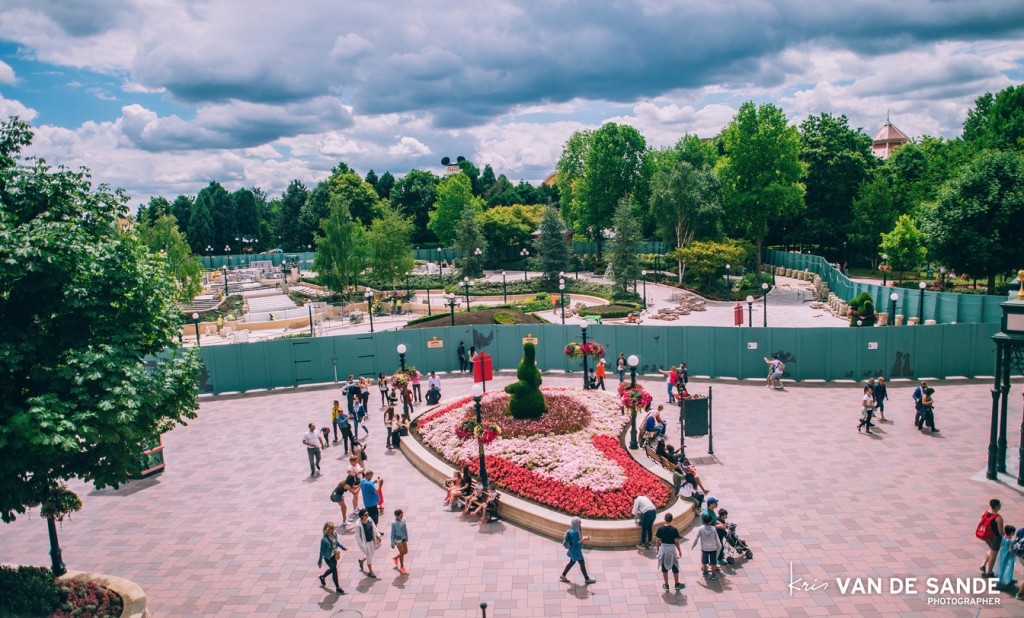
[570,459]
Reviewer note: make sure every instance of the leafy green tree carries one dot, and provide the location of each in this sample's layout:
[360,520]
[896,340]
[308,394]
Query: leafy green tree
[181,208]
[874,213]
[156,207]
[385,185]
[473,173]
[200,228]
[163,239]
[470,238]
[218,202]
[317,206]
[82,303]
[997,122]
[528,194]
[372,180]
[552,245]
[904,245]
[363,201]
[837,160]
[487,180]
[704,261]
[501,193]
[247,213]
[622,254]
[414,195]
[290,231]
[508,228]
[760,171]
[390,251]
[342,250]
[685,203]
[454,195]
[570,172]
[975,227]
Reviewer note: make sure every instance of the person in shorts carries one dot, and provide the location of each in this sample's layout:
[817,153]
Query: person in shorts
[669,552]
[710,545]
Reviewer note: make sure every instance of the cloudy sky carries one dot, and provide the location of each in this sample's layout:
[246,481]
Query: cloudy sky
[161,96]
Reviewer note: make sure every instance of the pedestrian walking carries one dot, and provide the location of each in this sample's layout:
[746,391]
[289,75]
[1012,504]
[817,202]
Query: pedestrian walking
[599,374]
[669,552]
[368,540]
[346,429]
[645,513]
[989,530]
[364,393]
[330,552]
[416,388]
[463,359]
[710,545]
[371,494]
[573,541]
[354,475]
[671,377]
[927,414]
[881,394]
[382,385]
[397,425]
[918,395]
[389,417]
[400,540]
[711,511]
[359,418]
[351,392]
[1006,557]
[313,442]
[867,402]
[620,366]
[335,413]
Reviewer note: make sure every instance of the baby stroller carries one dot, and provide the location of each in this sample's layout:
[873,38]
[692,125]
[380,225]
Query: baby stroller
[433,396]
[735,546]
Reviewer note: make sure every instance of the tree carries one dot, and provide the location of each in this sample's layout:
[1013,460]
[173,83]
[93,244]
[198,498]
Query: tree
[342,250]
[904,245]
[685,203]
[390,251]
[487,179]
[162,238]
[975,227]
[247,213]
[874,213]
[501,193]
[470,238]
[552,245]
[200,228]
[181,208]
[622,254]
[473,173]
[704,261]
[363,201]
[760,171]
[414,195]
[507,228]
[83,303]
[997,122]
[217,201]
[837,161]
[385,185]
[156,208]
[454,195]
[289,225]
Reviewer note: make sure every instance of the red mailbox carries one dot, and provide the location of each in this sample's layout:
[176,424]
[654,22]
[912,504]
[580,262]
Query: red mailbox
[483,370]
[737,315]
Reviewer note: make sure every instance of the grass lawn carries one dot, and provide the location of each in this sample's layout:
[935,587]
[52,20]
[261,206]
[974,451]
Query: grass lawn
[482,317]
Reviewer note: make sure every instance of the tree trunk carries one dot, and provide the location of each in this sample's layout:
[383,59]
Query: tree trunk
[757,267]
[991,283]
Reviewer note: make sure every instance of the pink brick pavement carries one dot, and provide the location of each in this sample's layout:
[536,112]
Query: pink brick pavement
[232,527]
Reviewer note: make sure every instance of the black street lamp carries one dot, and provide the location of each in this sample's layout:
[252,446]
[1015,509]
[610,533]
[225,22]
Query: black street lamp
[209,255]
[428,300]
[440,271]
[893,298]
[633,361]
[504,289]
[561,292]
[764,298]
[645,290]
[478,394]
[728,284]
[368,295]
[525,253]
[920,303]
[885,273]
[845,270]
[224,271]
[452,301]
[466,283]
[56,557]
[401,355]
[310,307]
[586,370]
[476,256]
[195,322]
[750,311]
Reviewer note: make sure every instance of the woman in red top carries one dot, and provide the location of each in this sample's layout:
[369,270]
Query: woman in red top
[673,377]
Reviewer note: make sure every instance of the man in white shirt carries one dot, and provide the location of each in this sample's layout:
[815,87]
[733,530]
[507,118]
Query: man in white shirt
[646,511]
[433,381]
[313,443]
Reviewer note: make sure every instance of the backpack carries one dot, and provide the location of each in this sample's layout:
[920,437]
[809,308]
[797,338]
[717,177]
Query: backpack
[986,531]
[782,367]
[1017,547]
[565,541]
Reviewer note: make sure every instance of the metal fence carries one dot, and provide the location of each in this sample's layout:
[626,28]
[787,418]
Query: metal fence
[828,354]
[242,260]
[943,307]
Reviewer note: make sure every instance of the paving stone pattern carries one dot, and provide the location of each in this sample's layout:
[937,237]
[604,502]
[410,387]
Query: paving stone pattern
[232,527]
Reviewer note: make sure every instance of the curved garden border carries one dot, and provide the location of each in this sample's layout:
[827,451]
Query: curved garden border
[617,533]
[132,595]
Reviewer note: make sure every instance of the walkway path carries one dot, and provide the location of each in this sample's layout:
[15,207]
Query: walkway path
[231,528]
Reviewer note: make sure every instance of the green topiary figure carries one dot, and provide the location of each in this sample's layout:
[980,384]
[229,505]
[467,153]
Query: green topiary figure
[526,400]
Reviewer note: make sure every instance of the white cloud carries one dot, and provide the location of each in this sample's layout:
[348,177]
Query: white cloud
[408,146]
[9,107]
[6,73]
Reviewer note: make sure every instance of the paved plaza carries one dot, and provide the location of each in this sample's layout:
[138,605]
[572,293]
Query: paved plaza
[233,525]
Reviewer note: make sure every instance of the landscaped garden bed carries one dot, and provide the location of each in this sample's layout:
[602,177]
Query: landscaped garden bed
[569,459]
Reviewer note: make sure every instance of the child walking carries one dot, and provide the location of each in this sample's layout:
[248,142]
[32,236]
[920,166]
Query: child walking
[400,540]
[1006,557]
[710,545]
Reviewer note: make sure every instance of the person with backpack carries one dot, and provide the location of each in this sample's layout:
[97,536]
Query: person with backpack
[775,370]
[988,530]
[573,542]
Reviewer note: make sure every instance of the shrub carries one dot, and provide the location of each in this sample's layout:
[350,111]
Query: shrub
[27,591]
[618,310]
[525,399]
[87,599]
[504,318]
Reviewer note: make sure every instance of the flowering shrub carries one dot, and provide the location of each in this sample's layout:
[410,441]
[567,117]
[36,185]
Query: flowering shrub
[87,600]
[399,379]
[576,349]
[634,397]
[569,460]
[481,432]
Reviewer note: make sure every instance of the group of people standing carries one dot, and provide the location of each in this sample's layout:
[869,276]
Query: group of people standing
[1005,547]
[875,394]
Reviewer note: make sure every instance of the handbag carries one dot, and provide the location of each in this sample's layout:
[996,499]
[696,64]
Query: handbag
[336,495]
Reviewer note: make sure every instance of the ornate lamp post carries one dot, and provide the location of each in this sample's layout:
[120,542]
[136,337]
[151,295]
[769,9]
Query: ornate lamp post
[504,288]
[764,299]
[466,283]
[920,303]
[452,301]
[478,394]
[368,295]
[476,256]
[561,292]
[586,370]
[885,271]
[942,277]
[728,284]
[209,255]
[401,354]
[525,253]
[195,322]
[750,311]
[440,271]
[633,361]
[224,271]
[893,299]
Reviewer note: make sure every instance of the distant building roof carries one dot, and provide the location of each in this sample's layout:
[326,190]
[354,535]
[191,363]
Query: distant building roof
[887,139]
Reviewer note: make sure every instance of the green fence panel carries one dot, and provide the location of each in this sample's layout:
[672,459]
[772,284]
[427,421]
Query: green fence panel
[874,352]
[983,349]
[753,348]
[928,348]
[726,343]
[653,350]
[700,347]
[805,353]
[956,360]
[843,362]
[901,360]
[675,344]
[991,309]
[970,308]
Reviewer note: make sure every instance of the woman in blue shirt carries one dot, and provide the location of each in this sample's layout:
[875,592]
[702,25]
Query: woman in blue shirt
[329,553]
[574,543]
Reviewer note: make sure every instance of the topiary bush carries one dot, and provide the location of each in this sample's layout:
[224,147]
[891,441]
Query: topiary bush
[526,400]
[504,318]
[862,309]
[27,591]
